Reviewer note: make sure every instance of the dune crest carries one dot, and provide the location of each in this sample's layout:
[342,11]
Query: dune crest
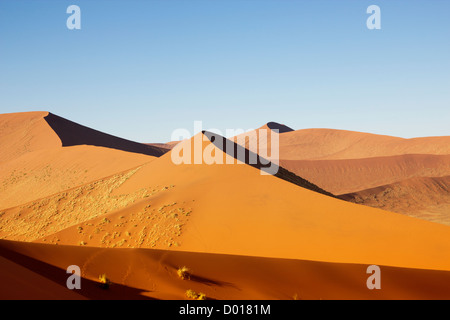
[34,158]
[73,134]
[25,132]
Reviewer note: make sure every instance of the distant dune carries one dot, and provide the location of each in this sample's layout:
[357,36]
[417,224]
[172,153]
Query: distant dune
[327,144]
[233,149]
[168,145]
[276,126]
[425,198]
[351,175]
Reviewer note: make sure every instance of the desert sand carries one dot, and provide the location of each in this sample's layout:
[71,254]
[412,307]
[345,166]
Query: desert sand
[351,175]
[127,210]
[425,198]
[33,159]
[37,270]
[344,162]
[327,144]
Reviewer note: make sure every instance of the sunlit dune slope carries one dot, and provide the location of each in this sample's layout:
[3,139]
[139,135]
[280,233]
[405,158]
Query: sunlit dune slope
[309,144]
[25,132]
[34,163]
[351,175]
[42,173]
[152,274]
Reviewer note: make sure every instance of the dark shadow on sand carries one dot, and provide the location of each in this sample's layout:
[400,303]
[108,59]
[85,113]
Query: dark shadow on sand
[252,159]
[89,289]
[74,134]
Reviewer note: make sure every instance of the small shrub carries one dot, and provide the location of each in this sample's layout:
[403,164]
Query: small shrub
[191,294]
[104,281]
[201,296]
[184,273]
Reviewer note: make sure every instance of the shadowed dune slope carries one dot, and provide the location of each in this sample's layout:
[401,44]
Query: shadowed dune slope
[72,134]
[423,197]
[25,266]
[22,283]
[238,152]
[168,145]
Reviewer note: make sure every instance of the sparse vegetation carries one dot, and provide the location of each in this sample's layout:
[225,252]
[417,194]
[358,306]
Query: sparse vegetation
[191,294]
[104,281]
[88,209]
[80,204]
[184,273]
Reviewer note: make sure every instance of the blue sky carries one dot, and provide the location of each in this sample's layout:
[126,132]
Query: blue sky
[140,69]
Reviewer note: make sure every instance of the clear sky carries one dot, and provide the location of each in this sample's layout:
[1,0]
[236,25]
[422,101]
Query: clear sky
[140,69]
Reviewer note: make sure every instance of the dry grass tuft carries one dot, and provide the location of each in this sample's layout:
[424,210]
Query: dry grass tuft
[104,281]
[191,294]
[184,273]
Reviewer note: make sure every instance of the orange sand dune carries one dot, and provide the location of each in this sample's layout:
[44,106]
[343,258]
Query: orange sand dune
[329,144]
[152,274]
[314,144]
[351,175]
[243,234]
[233,209]
[424,197]
[34,163]
[25,132]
